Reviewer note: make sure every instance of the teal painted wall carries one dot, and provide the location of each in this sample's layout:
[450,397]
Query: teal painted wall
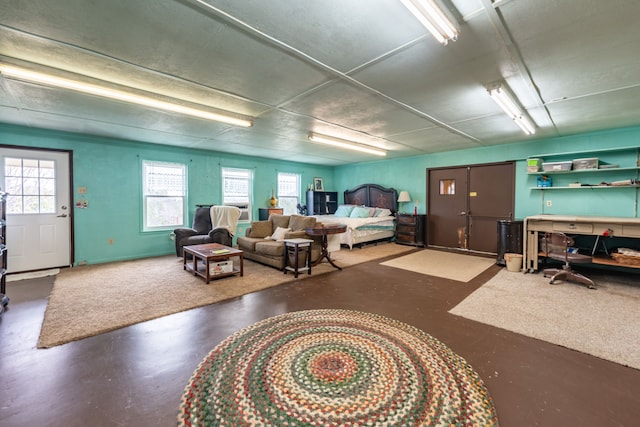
[410,174]
[110,170]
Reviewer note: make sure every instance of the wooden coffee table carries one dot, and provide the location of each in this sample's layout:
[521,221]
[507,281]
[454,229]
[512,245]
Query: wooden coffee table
[210,253]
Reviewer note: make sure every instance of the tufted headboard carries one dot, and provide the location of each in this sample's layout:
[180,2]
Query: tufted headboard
[373,195]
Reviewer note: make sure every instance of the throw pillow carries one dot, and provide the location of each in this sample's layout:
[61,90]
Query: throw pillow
[383,212]
[298,222]
[343,211]
[359,212]
[261,229]
[280,233]
[279,220]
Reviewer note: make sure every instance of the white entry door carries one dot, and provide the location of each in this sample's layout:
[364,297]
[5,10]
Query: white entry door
[38,208]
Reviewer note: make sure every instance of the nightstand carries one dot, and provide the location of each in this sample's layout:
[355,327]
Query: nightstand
[410,229]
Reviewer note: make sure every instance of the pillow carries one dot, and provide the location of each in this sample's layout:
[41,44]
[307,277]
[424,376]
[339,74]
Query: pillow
[359,212]
[383,212]
[299,222]
[279,233]
[344,211]
[279,220]
[261,229]
[372,212]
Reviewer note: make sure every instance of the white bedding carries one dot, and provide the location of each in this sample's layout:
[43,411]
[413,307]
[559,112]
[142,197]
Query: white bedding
[359,230]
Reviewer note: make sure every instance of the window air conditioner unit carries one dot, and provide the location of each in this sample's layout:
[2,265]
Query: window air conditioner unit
[245,211]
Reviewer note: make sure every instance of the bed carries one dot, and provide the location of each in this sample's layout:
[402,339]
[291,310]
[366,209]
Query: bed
[369,214]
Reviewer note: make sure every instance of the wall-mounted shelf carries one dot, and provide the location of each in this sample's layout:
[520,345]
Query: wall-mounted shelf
[586,187]
[570,172]
[586,152]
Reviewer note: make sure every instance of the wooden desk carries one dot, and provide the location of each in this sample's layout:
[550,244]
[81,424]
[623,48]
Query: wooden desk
[586,225]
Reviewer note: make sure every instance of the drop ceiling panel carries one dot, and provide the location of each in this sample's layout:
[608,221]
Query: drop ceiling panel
[353,108]
[578,50]
[434,140]
[172,38]
[340,34]
[363,69]
[608,110]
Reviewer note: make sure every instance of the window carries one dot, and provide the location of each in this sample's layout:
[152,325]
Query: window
[31,184]
[288,192]
[447,187]
[236,190]
[164,195]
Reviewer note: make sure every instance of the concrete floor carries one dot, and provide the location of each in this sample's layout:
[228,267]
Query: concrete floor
[135,376]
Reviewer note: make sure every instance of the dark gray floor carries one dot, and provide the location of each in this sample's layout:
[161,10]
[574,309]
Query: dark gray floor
[135,376]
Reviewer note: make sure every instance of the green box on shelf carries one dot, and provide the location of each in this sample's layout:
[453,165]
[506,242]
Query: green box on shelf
[534,162]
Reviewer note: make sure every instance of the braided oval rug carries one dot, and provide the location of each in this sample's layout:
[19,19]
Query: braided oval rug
[334,368]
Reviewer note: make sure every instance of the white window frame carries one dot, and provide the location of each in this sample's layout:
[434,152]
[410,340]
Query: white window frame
[176,190]
[31,184]
[237,190]
[289,192]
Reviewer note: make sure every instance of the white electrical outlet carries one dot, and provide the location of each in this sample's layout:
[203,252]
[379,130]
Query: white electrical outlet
[549,203]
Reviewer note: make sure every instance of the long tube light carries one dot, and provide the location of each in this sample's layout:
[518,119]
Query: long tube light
[343,143]
[77,86]
[510,107]
[433,18]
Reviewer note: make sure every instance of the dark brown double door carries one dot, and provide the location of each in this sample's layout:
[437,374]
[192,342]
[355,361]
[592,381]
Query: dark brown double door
[465,204]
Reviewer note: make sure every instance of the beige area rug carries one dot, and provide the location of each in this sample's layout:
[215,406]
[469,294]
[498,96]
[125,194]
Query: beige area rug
[91,300]
[449,265]
[603,322]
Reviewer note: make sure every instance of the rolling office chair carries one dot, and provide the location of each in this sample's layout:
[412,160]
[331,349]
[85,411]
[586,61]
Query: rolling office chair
[557,246]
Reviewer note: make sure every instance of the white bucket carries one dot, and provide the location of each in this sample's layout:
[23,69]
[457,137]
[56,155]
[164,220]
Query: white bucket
[514,262]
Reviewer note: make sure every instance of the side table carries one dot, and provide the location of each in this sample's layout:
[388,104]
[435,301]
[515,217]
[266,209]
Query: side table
[410,229]
[323,231]
[292,248]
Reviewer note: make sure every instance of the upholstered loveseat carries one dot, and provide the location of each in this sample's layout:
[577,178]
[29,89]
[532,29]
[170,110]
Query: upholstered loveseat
[258,243]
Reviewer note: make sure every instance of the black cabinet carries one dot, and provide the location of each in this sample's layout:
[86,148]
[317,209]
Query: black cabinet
[322,202]
[4,300]
[509,239]
[410,229]
[263,213]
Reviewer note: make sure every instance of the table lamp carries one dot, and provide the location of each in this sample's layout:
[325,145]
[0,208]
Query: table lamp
[404,197]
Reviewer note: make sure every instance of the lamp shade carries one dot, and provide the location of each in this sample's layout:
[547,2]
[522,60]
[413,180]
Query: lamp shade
[404,197]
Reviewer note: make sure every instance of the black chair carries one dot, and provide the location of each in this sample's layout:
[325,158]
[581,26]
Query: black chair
[557,247]
[201,232]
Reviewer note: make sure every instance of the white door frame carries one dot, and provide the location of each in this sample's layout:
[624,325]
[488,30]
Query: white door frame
[42,241]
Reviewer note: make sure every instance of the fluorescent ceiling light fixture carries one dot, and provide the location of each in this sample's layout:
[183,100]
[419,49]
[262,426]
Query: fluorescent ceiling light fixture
[501,97]
[432,17]
[343,143]
[59,82]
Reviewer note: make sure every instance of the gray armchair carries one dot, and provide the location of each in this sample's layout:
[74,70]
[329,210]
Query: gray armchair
[205,231]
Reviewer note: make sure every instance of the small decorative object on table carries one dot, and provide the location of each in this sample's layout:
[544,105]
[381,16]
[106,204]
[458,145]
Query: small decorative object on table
[273,202]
